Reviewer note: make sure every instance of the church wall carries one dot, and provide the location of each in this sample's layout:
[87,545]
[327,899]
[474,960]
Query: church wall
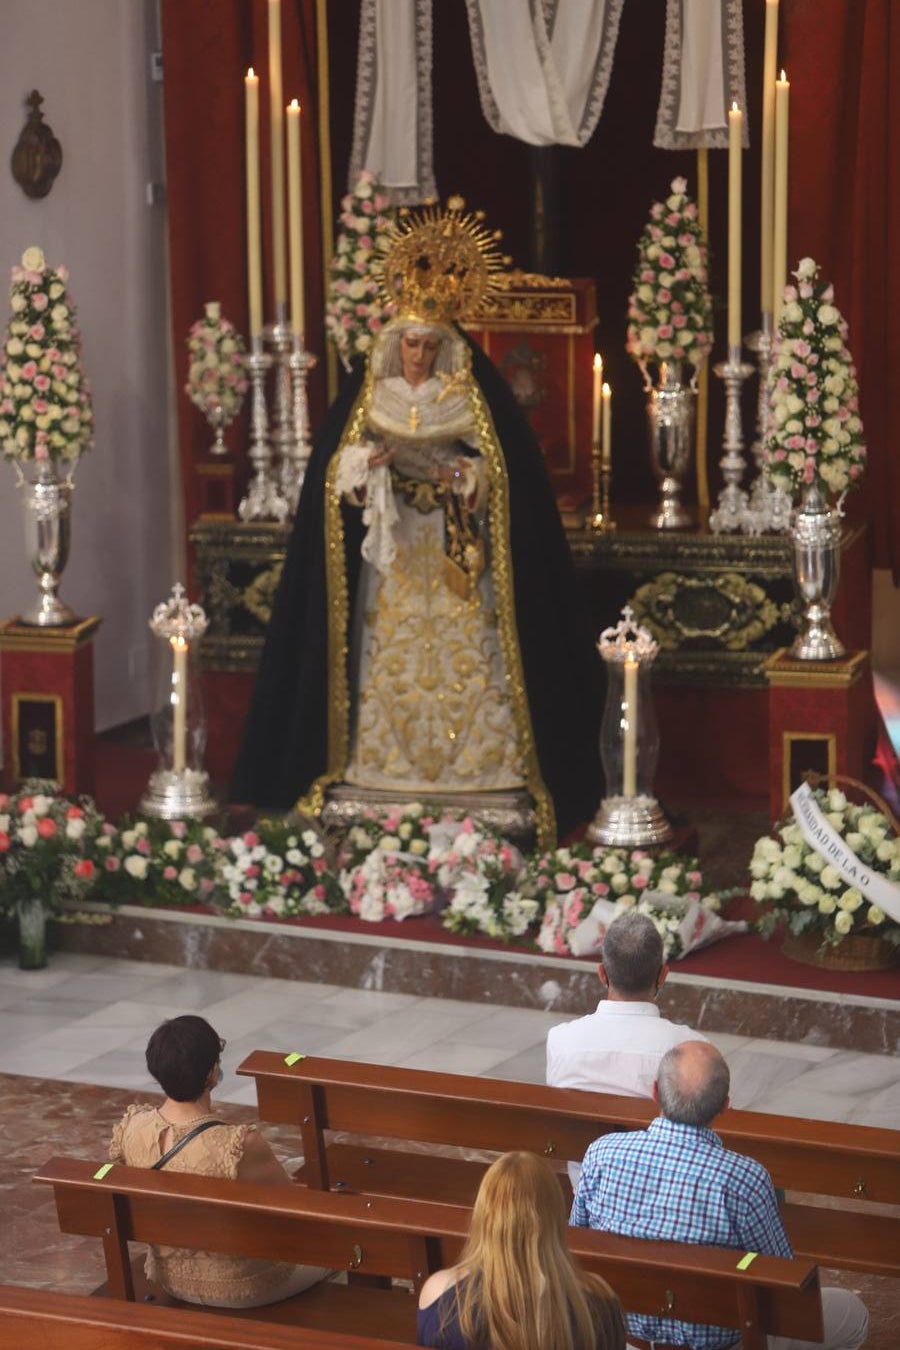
[90,61]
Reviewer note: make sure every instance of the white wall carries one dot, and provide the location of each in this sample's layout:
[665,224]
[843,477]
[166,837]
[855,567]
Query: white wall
[90,61]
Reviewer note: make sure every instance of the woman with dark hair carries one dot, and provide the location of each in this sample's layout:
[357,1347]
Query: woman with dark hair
[184,1135]
[517,1285]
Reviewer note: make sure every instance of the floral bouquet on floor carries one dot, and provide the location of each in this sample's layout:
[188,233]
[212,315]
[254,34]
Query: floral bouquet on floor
[480,871]
[217,379]
[669,309]
[816,435]
[354,313]
[384,866]
[45,399]
[584,892]
[277,870]
[797,888]
[157,862]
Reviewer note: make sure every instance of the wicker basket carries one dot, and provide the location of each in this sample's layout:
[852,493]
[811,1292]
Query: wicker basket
[853,952]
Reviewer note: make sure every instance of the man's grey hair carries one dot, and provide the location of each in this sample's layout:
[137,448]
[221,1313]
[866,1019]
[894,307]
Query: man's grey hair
[695,1096]
[632,953]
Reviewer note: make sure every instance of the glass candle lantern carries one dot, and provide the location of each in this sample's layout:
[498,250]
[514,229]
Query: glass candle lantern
[629,815]
[179,788]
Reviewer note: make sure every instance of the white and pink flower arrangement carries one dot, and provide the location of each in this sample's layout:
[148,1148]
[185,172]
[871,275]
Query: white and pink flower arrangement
[156,862]
[45,399]
[355,312]
[217,379]
[277,870]
[384,864]
[45,846]
[480,870]
[815,430]
[583,892]
[669,310]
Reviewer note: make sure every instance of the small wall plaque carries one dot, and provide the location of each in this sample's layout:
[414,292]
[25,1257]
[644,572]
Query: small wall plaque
[37,156]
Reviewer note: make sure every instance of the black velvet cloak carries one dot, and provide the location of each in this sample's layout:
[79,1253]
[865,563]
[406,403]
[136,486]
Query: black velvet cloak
[284,747]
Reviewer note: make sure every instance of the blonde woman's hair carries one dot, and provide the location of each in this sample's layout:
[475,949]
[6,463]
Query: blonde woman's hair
[519,1286]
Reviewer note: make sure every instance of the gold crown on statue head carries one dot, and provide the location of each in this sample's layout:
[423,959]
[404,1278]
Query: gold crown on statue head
[439,264]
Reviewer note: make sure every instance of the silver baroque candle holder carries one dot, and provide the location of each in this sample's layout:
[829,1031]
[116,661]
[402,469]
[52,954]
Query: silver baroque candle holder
[729,515]
[293,470]
[769,507]
[264,499]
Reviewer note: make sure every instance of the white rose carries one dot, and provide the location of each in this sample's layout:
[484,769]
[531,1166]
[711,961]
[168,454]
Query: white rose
[831,879]
[17,303]
[884,852]
[836,800]
[187,878]
[4,823]
[875,915]
[418,846]
[213,310]
[28,835]
[172,848]
[843,922]
[827,905]
[758,890]
[136,867]
[75,828]
[850,900]
[405,830]
[806,269]
[33,259]
[142,828]
[814,862]
[619,882]
[389,843]
[827,315]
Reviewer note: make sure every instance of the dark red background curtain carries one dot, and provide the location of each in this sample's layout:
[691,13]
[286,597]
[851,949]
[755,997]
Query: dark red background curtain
[207,48]
[843,61]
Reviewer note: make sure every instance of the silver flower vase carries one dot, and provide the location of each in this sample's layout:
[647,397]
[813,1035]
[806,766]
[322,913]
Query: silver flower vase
[816,538]
[47,502]
[670,422]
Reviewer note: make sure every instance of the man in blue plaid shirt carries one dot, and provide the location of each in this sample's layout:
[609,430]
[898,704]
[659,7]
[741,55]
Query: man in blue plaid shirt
[676,1182]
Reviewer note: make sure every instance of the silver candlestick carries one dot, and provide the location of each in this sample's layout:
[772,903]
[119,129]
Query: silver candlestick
[293,471]
[769,507]
[730,512]
[263,500]
[281,341]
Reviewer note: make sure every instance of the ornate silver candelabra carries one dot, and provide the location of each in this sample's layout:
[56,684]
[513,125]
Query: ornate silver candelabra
[601,521]
[730,512]
[769,507]
[180,787]
[264,499]
[293,471]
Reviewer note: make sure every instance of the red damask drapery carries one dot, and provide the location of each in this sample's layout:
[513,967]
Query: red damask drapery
[843,62]
[207,48]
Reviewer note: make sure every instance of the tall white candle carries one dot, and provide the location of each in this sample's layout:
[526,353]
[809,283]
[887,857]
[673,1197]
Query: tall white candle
[779,259]
[606,444]
[595,407]
[276,118]
[735,166]
[179,704]
[767,185]
[295,215]
[254,246]
[629,721]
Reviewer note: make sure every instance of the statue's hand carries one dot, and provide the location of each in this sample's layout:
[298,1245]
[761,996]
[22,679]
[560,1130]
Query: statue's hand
[380,456]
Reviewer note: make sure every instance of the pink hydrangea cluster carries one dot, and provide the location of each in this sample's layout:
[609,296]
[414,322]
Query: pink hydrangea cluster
[217,378]
[45,399]
[815,430]
[669,310]
[354,313]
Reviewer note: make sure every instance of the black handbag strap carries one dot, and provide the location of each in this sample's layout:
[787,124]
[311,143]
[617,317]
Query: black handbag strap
[191,1134]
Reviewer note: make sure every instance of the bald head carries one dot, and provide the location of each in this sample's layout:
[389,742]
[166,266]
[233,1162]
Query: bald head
[692,1083]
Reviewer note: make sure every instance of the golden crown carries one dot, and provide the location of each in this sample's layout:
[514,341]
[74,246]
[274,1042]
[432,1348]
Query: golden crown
[439,264]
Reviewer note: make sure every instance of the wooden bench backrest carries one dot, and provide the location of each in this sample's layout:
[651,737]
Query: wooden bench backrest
[315,1093]
[409,1239]
[44,1320]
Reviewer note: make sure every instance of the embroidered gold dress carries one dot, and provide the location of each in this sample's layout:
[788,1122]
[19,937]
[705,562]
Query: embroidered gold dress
[433,709]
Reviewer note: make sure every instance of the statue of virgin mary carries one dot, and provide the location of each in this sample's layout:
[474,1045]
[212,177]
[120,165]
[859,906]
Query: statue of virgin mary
[426,640]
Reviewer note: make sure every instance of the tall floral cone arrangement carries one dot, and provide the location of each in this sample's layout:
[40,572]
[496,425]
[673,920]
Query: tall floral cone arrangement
[669,311]
[815,430]
[45,399]
[354,312]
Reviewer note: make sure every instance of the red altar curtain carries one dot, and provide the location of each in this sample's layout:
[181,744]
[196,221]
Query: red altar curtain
[207,48]
[843,62]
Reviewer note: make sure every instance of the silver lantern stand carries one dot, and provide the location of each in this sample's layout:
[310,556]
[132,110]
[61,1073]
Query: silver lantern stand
[633,817]
[183,793]
[730,513]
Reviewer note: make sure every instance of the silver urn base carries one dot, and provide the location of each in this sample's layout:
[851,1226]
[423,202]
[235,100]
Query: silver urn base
[816,538]
[629,822]
[48,528]
[179,796]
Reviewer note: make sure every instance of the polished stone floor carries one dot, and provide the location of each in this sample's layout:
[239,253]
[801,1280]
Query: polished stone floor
[85,1021]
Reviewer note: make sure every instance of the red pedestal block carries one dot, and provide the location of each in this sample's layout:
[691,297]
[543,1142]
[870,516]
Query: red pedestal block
[47,678]
[822,717]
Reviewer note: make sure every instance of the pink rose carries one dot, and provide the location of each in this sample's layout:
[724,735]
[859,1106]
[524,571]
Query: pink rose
[39,300]
[170,873]
[178,828]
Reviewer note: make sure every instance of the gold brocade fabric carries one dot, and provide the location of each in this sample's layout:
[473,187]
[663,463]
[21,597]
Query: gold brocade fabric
[433,708]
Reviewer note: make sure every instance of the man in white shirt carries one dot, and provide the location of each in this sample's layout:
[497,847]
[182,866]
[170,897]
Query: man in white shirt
[618,1048]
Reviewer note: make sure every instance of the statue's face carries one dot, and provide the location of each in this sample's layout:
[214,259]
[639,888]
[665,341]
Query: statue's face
[417,354]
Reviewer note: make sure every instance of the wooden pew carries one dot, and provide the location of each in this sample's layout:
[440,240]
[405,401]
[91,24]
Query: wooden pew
[404,1239]
[418,1106]
[43,1320]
